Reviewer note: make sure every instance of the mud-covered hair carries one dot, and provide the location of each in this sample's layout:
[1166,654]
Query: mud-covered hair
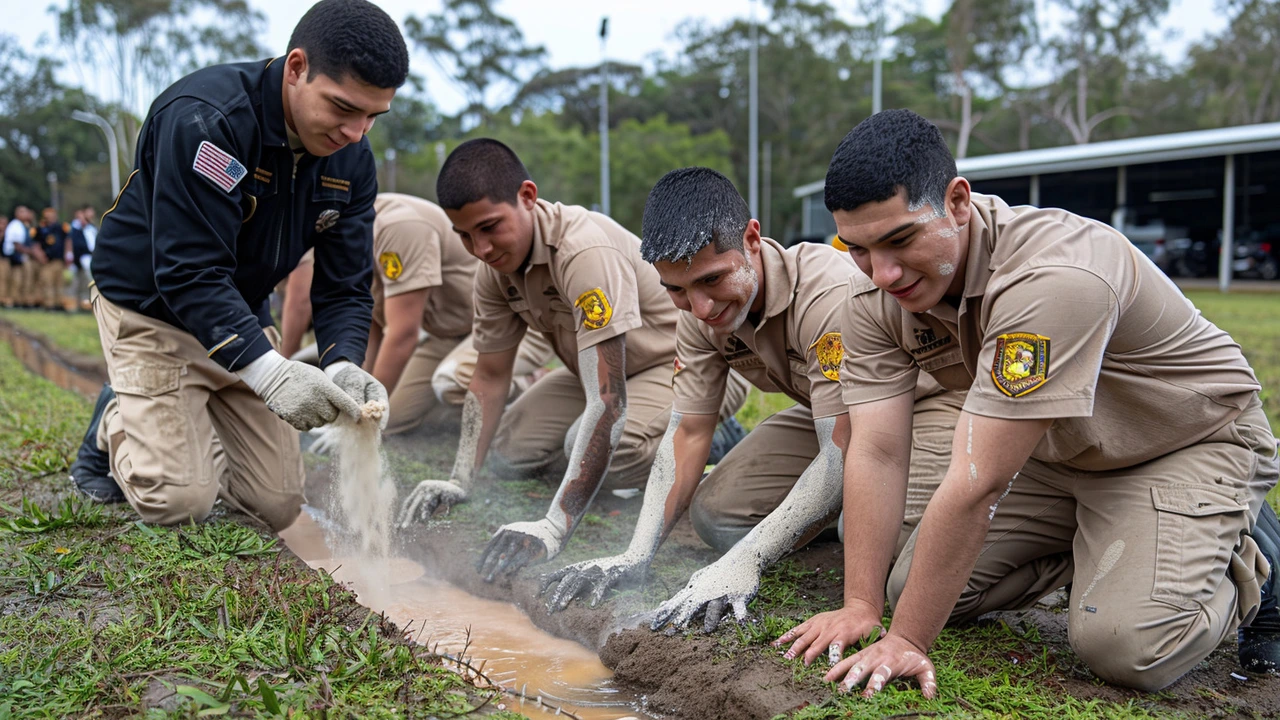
[354,37]
[689,209]
[889,151]
[479,169]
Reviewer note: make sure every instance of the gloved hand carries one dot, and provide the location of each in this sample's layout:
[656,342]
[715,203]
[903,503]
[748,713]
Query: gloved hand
[595,576]
[426,498]
[300,394]
[360,385]
[326,439]
[518,544]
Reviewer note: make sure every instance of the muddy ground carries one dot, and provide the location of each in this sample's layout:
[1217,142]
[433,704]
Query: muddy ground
[724,675]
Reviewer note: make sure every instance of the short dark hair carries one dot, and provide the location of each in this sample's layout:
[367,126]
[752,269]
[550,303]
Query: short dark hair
[889,151]
[479,169]
[689,209]
[352,36]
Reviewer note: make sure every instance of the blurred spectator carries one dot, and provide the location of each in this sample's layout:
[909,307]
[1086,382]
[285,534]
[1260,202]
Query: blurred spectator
[17,250]
[84,234]
[53,240]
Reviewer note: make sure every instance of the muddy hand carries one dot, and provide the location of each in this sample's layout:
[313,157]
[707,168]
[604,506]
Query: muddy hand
[593,576]
[429,496]
[831,632]
[730,582]
[881,662]
[519,544]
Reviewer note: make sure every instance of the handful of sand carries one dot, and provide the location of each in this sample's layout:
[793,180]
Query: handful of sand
[373,410]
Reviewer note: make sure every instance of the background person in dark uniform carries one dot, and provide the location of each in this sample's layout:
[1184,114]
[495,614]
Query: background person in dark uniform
[53,237]
[240,169]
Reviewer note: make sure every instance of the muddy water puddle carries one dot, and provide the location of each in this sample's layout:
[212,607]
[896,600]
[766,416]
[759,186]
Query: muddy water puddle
[516,654]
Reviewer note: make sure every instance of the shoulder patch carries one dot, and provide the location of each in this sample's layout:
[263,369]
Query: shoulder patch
[1021,364]
[391,265]
[218,167]
[830,352]
[596,311]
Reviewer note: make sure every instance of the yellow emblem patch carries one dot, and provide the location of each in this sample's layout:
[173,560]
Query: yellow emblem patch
[391,265]
[596,311]
[830,352]
[1021,363]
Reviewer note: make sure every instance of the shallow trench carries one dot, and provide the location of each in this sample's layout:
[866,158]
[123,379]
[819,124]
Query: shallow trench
[551,676]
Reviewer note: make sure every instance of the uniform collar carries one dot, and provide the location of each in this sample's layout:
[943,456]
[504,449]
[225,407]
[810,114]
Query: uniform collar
[271,109]
[982,241]
[780,277]
[547,226]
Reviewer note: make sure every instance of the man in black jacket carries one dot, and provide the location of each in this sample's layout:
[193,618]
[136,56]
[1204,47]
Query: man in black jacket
[240,169]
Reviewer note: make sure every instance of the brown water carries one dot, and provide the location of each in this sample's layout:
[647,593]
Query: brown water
[516,654]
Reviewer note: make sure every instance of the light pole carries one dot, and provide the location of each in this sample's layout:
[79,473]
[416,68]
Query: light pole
[604,118]
[112,150]
[753,122]
[877,80]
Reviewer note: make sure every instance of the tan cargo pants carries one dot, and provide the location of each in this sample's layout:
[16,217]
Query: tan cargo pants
[20,282]
[756,476]
[538,430]
[6,290]
[1159,558]
[439,373]
[183,431]
[50,284]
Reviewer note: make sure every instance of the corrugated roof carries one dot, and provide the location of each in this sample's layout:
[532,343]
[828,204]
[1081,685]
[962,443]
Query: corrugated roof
[1113,153]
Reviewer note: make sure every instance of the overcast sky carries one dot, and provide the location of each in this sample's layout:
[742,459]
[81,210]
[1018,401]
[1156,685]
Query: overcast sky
[568,28]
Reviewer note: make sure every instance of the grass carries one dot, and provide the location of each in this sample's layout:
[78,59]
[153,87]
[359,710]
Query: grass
[102,612]
[77,332]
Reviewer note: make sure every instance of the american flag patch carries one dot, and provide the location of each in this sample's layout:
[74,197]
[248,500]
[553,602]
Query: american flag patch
[225,171]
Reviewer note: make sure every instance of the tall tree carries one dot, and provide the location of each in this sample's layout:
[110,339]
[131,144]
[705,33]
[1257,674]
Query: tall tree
[1234,75]
[1103,47]
[128,51]
[984,41]
[478,48]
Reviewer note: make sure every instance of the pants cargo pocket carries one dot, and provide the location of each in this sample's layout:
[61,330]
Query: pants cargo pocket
[1197,530]
[156,424]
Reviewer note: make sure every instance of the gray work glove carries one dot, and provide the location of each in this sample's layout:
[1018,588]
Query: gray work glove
[300,394]
[360,385]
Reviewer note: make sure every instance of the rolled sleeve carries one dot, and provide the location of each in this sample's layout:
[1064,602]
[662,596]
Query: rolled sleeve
[700,371]
[417,245]
[1074,312]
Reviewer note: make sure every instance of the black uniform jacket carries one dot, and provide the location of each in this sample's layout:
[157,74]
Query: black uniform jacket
[216,214]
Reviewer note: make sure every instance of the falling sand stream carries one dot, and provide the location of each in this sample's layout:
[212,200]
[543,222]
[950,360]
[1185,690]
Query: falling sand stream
[517,655]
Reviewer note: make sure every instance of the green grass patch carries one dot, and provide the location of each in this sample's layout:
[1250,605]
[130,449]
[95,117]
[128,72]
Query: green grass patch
[74,331]
[760,405]
[103,612]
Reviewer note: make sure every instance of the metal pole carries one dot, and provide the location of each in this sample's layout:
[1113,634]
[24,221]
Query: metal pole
[604,119]
[877,75]
[113,151]
[753,121]
[1034,200]
[1228,224]
[767,200]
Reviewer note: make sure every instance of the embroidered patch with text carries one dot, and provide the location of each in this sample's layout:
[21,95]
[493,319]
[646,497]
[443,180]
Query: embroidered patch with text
[391,265]
[215,164]
[1021,363]
[596,311]
[830,352]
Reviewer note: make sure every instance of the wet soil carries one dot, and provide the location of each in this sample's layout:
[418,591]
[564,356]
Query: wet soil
[69,371]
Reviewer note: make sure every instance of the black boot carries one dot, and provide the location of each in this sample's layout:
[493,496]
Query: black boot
[728,434]
[1260,642]
[91,472]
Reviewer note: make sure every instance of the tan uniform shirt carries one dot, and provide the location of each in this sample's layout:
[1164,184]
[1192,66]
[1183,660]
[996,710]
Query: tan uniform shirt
[1062,317]
[584,283]
[796,347]
[415,247]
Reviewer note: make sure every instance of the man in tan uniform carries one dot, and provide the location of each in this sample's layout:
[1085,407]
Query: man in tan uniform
[422,284]
[773,315]
[1112,436]
[576,276]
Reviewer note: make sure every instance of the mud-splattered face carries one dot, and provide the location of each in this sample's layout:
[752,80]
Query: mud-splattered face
[718,288]
[917,256]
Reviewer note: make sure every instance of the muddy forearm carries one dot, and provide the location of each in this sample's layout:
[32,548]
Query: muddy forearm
[482,411]
[692,446]
[604,382]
